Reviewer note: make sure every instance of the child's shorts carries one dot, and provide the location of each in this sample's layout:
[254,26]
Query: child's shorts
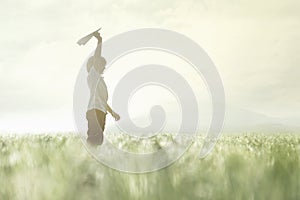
[96,124]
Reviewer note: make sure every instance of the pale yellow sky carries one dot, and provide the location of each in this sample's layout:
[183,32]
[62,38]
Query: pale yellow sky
[255,45]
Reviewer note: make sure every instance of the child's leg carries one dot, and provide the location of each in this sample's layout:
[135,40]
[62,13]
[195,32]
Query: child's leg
[96,124]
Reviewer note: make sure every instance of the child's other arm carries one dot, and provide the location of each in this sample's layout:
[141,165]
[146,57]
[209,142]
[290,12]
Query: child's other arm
[113,113]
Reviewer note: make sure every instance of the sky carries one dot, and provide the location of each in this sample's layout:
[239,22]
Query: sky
[254,45]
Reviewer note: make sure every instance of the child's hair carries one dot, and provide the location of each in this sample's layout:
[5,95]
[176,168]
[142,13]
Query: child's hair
[90,63]
[99,66]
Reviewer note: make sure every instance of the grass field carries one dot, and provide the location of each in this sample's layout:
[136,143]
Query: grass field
[42,167]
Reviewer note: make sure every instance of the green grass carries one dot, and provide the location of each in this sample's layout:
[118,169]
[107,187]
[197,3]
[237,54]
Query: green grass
[43,167]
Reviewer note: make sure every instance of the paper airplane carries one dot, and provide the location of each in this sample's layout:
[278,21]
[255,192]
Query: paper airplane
[86,38]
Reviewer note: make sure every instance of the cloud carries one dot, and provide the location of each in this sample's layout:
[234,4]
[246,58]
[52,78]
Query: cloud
[254,44]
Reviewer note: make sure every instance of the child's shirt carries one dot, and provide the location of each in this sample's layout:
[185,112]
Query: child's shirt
[98,91]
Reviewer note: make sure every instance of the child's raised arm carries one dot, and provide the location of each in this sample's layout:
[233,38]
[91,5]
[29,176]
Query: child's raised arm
[97,54]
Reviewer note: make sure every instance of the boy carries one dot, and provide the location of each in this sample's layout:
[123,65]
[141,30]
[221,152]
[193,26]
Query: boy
[97,107]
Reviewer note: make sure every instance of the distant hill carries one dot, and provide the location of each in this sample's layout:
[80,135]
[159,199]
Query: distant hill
[237,120]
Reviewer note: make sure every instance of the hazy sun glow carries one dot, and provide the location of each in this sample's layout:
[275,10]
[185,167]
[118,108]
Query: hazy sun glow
[255,47]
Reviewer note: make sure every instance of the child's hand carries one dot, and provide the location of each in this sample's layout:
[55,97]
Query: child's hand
[97,35]
[115,115]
